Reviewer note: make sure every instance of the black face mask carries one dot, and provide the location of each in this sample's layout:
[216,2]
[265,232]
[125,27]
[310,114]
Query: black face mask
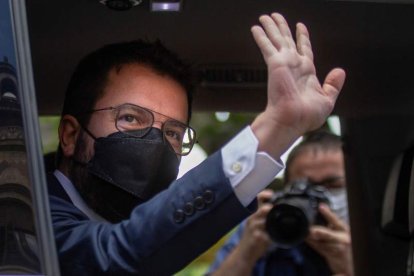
[127,171]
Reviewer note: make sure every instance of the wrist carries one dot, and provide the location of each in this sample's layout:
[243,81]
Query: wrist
[274,138]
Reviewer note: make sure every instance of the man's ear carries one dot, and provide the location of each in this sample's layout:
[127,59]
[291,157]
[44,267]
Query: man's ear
[69,129]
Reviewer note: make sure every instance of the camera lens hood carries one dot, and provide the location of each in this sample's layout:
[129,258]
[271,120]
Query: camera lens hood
[287,225]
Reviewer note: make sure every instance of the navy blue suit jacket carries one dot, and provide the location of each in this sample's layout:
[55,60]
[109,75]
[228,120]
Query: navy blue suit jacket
[154,240]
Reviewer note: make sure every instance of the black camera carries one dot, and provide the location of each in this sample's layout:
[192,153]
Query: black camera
[294,210]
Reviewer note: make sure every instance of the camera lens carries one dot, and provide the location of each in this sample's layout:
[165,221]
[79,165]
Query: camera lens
[287,225]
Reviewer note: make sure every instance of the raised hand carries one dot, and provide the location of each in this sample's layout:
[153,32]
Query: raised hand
[333,242]
[297,102]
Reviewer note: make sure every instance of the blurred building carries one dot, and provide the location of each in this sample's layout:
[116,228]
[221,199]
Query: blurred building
[17,231]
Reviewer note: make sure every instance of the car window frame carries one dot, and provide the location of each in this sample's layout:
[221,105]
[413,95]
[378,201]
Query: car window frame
[42,216]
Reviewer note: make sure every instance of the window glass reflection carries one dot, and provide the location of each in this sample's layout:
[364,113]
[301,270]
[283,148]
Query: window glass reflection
[18,243]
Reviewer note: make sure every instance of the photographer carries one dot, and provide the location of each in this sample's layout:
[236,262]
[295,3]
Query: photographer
[327,248]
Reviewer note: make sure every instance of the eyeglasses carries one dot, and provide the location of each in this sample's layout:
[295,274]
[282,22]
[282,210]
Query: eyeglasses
[131,117]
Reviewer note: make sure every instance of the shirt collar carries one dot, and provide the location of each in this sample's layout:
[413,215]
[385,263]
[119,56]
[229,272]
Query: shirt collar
[76,197]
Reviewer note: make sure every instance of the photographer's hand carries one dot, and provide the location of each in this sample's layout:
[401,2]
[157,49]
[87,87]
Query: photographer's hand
[253,243]
[296,102]
[333,242]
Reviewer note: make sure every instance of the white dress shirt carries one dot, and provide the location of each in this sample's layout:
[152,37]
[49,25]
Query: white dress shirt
[249,171]
[76,197]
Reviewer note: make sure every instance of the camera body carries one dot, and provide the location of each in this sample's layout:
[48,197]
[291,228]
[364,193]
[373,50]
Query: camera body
[294,210]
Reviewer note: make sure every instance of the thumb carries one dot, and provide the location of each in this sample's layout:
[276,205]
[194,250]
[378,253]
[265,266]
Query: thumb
[334,82]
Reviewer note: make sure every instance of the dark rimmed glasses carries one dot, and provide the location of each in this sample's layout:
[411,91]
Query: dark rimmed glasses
[131,117]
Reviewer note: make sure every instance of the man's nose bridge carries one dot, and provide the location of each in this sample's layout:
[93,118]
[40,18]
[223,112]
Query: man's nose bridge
[158,124]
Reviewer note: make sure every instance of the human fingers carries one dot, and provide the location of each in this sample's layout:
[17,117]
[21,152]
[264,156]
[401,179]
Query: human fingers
[254,240]
[264,210]
[330,244]
[325,235]
[262,237]
[333,220]
[260,214]
[263,42]
[325,249]
[335,246]
[254,243]
[272,31]
[256,224]
[303,43]
[284,29]
[338,256]
[264,196]
[321,235]
[255,227]
[334,82]
[321,248]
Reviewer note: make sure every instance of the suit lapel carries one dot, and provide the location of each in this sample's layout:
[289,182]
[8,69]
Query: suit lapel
[56,189]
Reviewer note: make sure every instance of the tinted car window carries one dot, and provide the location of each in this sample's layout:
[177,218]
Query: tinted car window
[22,230]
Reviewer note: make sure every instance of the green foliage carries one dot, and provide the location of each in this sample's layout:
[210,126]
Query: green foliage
[195,269]
[48,127]
[212,133]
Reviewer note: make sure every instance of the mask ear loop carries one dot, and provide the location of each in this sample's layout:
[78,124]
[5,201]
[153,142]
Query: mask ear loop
[88,132]
[93,137]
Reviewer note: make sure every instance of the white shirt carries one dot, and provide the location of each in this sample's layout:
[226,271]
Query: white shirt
[76,197]
[249,171]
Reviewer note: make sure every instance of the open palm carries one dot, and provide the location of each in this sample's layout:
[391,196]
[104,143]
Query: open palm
[296,99]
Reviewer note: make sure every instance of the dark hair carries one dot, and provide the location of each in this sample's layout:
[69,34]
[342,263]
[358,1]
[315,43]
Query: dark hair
[320,140]
[89,79]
